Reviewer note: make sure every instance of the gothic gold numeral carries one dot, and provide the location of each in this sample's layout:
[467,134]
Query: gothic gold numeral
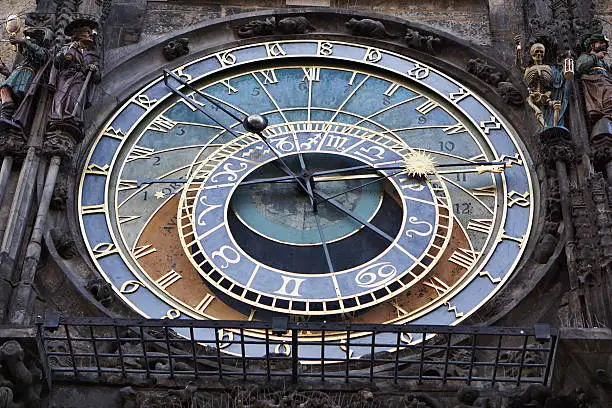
[93,209]
[162,124]
[144,101]
[98,170]
[172,314]
[483,225]
[488,125]
[325,48]
[275,49]
[372,55]
[488,275]
[464,258]
[418,72]
[282,348]
[518,240]
[519,199]
[226,58]
[290,286]
[104,249]
[225,337]
[204,303]
[130,286]
[182,74]
[168,279]
[458,96]
[512,160]
[114,133]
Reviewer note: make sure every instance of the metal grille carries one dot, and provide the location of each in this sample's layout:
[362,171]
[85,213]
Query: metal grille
[91,348]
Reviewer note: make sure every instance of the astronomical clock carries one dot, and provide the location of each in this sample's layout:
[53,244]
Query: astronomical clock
[314,179]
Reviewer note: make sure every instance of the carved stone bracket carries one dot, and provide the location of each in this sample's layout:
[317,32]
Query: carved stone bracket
[176,48]
[414,39]
[557,145]
[59,143]
[12,142]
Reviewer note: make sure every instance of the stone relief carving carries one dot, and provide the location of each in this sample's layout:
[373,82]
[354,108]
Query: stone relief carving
[269,26]
[368,28]
[416,40]
[176,48]
[64,244]
[492,76]
[20,385]
[101,290]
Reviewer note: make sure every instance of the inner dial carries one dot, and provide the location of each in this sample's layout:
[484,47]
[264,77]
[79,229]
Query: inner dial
[317,219]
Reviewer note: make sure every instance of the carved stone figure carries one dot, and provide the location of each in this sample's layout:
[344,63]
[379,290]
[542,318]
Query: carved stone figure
[367,28]
[101,290]
[176,48]
[257,28]
[14,89]
[78,66]
[484,71]
[596,76]
[547,93]
[295,25]
[20,385]
[510,94]
[421,42]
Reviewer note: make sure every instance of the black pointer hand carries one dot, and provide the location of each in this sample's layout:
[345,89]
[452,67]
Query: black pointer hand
[252,123]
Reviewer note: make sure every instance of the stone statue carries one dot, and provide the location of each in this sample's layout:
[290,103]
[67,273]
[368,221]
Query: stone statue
[78,67]
[596,76]
[547,92]
[17,84]
[368,28]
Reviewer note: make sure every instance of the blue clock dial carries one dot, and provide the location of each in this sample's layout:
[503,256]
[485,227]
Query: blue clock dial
[403,222]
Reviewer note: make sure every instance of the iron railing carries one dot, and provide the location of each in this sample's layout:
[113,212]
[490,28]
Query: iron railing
[90,348]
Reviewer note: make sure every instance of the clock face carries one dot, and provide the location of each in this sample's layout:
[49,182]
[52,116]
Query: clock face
[365,199]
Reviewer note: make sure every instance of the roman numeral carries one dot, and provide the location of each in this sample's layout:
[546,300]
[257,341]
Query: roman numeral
[204,303]
[269,76]
[191,102]
[162,124]
[426,107]
[401,312]
[311,74]
[438,285]
[127,185]
[127,218]
[454,129]
[487,191]
[391,89]
[141,251]
[168,279]
[483,225]
[139,153]
[464,258]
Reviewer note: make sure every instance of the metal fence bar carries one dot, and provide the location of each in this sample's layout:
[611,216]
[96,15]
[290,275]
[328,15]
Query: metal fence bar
[177,343]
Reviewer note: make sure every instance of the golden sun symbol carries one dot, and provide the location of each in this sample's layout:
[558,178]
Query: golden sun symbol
[419,164]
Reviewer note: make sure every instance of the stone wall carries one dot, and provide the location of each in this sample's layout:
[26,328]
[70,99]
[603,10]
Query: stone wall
[466,19]
[7,7]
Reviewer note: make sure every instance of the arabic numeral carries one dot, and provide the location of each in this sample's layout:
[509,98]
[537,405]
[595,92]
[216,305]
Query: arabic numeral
[463,208]
[461,177]
[447,146]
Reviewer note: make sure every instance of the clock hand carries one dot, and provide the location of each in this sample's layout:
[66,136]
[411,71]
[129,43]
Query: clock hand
[493,167]
[354,216]
[252,123]
[325,249]
[381,178]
